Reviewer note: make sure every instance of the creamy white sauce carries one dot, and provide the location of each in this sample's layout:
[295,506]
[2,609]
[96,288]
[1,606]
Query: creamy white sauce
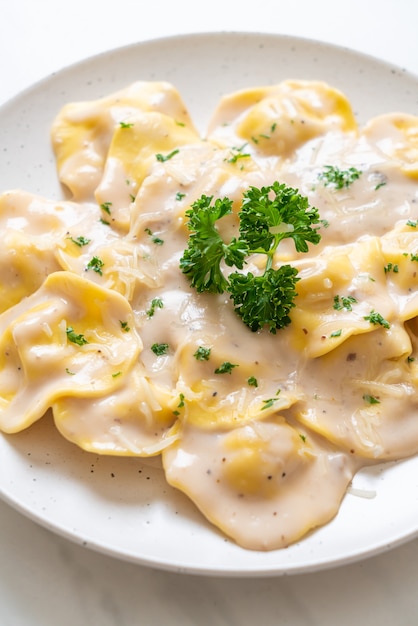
[265,462]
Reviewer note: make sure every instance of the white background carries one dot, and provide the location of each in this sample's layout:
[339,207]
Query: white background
[46,580]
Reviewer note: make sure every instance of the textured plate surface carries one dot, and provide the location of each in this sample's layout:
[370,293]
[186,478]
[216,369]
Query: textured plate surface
[124,507]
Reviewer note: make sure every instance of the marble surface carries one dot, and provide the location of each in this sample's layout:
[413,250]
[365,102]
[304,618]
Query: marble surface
[45,579]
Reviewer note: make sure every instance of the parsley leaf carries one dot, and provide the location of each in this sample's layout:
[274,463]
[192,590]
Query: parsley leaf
[206,249]
[267,216]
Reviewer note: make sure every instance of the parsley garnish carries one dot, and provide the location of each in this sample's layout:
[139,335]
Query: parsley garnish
[252,381]
[332,175]
[166,157]
[72,336]
[225,368]
[124,326]
[268,215]
[344,302]
[160,348]
[390,267]
[202,354]
[80,241]
[336,333]
[157,240]
[105,206]
[370,399]
[126,124]
[376,318]
[96,265]
[180,195]
[156,303]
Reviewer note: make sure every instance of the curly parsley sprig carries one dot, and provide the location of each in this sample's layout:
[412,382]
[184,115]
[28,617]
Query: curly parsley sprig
[267,216]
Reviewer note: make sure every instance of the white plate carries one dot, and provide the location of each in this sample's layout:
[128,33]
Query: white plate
[124,507]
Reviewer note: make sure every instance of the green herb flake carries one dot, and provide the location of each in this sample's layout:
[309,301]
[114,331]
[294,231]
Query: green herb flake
[225,368]
[376,318]
[80,241]
[180,196]
[124,326]
[116,374]
[154,238]
[202,354]
[370,399]
[252,381]
[96,265]
[126,124]
[181,401]
[105,206]
[334,176]
[344,302]
[412,223]
[156,303]
[159,349]
[336,333]
[391,267]
[166,157]
[72,336]
[267,404]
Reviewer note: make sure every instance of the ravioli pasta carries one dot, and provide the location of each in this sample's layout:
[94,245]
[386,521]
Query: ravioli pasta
[99,325]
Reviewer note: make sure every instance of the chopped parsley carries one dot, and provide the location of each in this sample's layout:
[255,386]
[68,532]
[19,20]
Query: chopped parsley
[159,349]
[157,240]
[156,303]
[252,381]
[344,302]
[80,241]
[202,354]
[105,206]
[338,178]
[124,326]
[166,157]
[126,124]
[376,318]
[72,336]
[390,267]
[225,368]
[96,265]
[370,399]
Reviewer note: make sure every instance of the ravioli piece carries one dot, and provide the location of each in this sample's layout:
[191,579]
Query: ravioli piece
[341,292]
[227,388]
[400,249]
[31,229]
[82,131]
[396,136]
[70,337]
[255,482]
[135,419]
[134,149]
[363,396]
[276,120]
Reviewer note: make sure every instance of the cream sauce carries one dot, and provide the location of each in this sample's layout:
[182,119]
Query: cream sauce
[267,450]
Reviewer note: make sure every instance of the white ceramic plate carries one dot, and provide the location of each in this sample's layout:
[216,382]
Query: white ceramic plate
[124,507]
